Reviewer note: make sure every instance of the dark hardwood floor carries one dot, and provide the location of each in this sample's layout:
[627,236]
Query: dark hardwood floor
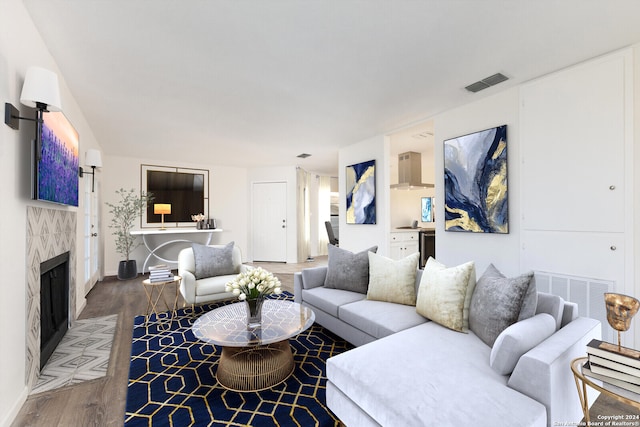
[101,402]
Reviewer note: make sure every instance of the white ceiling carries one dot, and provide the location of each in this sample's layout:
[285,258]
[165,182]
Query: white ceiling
[257,82]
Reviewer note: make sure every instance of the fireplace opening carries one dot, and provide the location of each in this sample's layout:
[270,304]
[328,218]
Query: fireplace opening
[54,304]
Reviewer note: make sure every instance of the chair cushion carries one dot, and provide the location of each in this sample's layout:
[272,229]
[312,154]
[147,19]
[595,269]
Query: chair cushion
[347,270]
[496,304]
[443,292]
[211,261]
[393,280]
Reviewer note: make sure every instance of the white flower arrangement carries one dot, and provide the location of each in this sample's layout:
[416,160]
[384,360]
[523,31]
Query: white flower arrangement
[197,218]
[254,283]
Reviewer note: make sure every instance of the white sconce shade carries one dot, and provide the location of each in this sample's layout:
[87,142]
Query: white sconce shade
[41,86]
[93,158]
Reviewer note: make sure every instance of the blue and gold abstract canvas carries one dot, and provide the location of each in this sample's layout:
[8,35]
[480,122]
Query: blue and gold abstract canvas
[475,182]
[361,193]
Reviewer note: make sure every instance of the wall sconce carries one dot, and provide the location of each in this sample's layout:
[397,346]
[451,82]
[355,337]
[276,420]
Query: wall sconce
[93,159]
[40,90]
[162,209]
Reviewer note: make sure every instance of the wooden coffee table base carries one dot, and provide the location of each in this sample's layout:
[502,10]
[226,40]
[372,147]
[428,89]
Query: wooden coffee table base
[255,368]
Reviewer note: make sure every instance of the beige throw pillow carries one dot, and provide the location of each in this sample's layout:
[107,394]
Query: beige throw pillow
[391,280]
[442,294]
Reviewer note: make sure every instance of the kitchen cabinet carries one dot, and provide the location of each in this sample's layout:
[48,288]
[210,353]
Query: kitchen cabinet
[404,243]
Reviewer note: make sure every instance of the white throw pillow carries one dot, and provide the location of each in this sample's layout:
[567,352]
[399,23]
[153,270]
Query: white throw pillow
[391,280]
[442,295]
[518,339]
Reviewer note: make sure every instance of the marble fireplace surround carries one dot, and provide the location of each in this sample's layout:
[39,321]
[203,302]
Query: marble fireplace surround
[50,232]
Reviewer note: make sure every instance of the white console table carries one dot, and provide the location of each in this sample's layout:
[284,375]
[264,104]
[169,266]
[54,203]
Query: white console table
[153,249]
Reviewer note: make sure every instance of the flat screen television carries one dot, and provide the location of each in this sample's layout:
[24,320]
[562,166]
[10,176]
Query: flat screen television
[186,190]
[56,162]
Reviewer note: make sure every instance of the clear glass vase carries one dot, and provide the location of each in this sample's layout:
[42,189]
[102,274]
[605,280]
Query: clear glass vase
[254,312]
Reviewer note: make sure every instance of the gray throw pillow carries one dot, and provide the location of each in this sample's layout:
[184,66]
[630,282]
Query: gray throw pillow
[348,271]
[213,261]
[530,301]
[496,304]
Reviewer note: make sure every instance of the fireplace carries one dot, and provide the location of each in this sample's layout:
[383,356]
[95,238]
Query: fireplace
[54,304]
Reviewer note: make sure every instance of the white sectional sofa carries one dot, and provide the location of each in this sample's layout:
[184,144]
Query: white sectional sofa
[409,371]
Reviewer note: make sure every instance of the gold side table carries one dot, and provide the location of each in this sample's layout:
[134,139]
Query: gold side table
[582,381]
[155,294]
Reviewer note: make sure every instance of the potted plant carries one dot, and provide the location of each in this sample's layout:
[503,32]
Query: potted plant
[129,208]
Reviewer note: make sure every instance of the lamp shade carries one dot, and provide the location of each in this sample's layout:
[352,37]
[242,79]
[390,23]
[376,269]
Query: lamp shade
[162,208]
[93,158]
[41,85]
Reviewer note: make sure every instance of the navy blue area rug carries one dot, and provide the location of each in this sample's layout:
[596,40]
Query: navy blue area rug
[172,380]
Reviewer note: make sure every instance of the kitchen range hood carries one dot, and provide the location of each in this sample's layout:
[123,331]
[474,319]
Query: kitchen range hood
[410,172]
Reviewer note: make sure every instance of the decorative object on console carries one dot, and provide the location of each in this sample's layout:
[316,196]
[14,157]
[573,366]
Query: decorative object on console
[199,220]
[253,286]
[162,209]
[93,159]
[620,311]
[361,193]
[475,182]
[125,212]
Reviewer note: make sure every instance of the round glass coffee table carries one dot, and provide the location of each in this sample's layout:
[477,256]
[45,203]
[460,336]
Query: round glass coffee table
[254,358]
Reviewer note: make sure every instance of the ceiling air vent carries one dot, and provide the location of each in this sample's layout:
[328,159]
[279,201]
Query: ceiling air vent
[486,82]
[303,155]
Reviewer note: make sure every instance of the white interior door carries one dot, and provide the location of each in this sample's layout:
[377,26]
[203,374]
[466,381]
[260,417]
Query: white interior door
[91,227]
[269,221]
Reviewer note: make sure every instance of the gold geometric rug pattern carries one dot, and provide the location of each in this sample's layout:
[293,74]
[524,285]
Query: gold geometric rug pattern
[172,381]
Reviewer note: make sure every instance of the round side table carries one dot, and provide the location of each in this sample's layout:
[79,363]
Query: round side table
[155,294]
[582,381]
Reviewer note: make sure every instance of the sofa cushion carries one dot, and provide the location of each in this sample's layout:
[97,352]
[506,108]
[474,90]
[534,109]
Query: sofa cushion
[551,304]
[519,338]
[429,375]
[347,270]
[496,304]
[393,280]
[442,293]
[213,261]
[329,300]
[378,318]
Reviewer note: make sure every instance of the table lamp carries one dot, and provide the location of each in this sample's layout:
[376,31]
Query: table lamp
[620,311]
[162,209]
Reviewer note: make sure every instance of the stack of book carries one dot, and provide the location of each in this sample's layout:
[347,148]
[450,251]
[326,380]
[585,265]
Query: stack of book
[160,273]
[620,368]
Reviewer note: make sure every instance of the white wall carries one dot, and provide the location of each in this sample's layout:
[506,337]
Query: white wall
[453,248]
[358,237]
[20,47]
[228,204]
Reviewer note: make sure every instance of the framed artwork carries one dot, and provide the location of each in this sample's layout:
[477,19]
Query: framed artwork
[361,193]
[475,182]
[427,209]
